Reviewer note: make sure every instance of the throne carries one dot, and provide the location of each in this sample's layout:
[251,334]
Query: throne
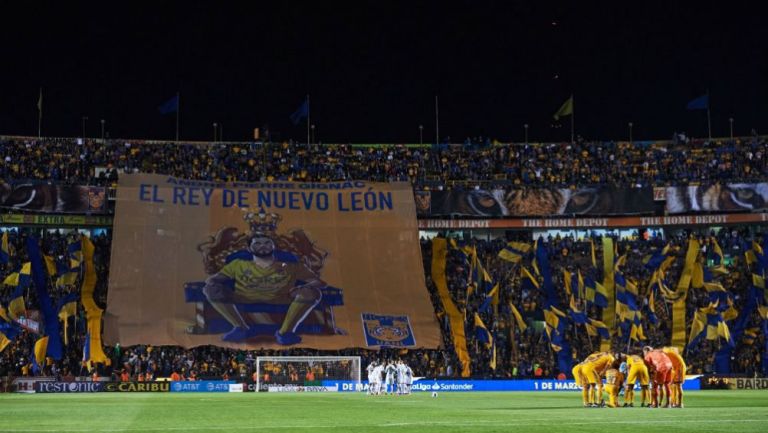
[264,319]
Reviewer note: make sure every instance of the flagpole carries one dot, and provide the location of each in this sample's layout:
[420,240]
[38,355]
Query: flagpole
[308,120]
[437,122]
[573,116]
[40,113]
[178,112]
[709,120]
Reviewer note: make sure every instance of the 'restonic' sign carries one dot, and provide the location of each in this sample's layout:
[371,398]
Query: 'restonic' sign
[59,387]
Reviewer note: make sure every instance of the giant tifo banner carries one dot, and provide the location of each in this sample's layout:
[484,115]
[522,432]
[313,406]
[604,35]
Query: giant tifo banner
[730,197]
[600,200]
[52,198]
[251,265]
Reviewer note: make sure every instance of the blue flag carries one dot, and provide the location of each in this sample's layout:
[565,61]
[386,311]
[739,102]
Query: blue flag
[301,113]
[50,318]
[170,106]
[700,103]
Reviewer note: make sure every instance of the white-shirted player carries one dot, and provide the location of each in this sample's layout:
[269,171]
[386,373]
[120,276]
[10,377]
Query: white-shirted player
[377,372]
[400,377]
[408,378]
[391,371]
[371,368]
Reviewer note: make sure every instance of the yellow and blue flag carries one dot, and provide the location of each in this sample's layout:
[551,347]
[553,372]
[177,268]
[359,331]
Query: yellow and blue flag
[708,323]
[636,331]
[579,316]
[4,341]
[555,322]
[527,280]
[47,312]
[515,251]
[718,258]
[65,274]
[568,283]
[595,292]
[481,332]
[750,335]
[597,327]
[491,297]
[518,318]
[75,255]
[67,307]
[652,308]
[20,280]
[8,330]
[39,351]
[50,265]
[655,260]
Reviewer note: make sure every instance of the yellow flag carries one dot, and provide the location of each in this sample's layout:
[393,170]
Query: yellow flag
[41,346]
[518,318]
[50,265]
[4,342]
[565,110]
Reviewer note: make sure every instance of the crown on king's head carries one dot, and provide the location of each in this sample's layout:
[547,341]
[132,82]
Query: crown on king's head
[262,222]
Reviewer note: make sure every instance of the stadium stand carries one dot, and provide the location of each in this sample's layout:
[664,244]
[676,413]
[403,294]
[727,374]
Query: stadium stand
[652,163]
[518,353]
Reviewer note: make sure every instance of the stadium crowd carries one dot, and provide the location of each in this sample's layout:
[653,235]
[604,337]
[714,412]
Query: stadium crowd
[98,162]
[529,354]
[526,354]
[519,354]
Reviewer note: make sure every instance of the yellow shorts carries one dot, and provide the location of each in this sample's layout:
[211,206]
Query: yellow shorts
[638,372]
[577,375]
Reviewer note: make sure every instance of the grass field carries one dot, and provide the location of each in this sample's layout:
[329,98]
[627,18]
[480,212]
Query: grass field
[707,411]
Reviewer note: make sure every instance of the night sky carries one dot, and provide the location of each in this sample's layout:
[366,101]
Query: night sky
[373,68]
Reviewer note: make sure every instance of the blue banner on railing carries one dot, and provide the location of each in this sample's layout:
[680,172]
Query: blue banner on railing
[201,386]
[426,384]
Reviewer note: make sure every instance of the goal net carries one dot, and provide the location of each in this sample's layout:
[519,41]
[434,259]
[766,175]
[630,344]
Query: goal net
[307,373]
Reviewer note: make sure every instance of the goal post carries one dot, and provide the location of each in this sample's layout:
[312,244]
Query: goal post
[306,373]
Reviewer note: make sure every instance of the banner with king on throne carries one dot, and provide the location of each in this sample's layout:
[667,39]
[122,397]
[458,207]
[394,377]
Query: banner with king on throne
[267,265]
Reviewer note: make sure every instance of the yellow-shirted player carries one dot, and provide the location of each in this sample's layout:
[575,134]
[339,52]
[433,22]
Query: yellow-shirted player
[614,379]
[594,366]
[637,371]
[263,274]
[578,376]
[678,375]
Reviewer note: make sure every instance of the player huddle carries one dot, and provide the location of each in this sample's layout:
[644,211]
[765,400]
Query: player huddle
[398,378]
[661,369]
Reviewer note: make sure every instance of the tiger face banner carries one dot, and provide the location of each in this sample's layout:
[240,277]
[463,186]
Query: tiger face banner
[267,265]
[599,200]
[53,198]
[730,197]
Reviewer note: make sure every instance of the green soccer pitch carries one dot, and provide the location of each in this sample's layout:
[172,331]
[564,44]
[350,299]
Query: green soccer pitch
[705,411]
